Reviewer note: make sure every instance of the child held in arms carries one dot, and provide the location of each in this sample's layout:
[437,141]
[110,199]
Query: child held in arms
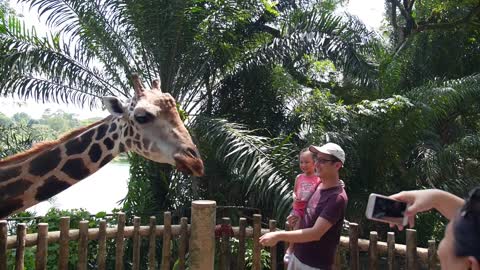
[305,185]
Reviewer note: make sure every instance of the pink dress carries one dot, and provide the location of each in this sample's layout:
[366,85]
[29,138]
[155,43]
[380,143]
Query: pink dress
[305,187]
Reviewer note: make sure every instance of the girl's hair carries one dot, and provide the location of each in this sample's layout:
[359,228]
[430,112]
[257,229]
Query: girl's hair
[304,150]
[467,236]
[466,227]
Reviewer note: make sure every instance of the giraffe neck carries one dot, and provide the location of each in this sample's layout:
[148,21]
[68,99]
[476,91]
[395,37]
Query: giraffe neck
[52,167]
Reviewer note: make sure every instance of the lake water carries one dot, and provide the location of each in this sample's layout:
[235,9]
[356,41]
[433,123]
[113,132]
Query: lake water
[100,191]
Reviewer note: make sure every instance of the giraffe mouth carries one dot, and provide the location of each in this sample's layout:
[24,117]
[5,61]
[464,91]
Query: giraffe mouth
[189,163]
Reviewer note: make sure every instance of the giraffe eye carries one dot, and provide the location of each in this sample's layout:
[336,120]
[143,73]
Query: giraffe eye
[142,119]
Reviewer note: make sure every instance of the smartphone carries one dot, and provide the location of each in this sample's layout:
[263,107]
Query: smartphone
[384,209]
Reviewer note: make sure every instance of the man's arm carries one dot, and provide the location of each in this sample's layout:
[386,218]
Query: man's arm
[314,233]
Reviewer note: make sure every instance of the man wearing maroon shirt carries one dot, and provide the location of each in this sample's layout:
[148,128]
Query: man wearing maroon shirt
[317,239]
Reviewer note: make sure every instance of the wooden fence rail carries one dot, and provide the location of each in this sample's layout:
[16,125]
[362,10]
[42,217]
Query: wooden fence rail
[198,239]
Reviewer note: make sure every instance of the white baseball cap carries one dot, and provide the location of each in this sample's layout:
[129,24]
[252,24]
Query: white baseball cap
[329,149]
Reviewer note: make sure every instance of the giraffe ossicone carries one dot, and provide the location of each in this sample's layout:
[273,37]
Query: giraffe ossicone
[149,125]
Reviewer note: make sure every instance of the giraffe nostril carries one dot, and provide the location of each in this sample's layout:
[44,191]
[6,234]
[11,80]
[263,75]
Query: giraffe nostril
[192,152]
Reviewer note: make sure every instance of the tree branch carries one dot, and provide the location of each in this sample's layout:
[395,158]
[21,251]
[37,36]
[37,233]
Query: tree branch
[402,9]
[410,6]
[424,26]
[415,28]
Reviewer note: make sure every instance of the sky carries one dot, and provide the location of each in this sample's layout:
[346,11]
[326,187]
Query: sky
[369,11]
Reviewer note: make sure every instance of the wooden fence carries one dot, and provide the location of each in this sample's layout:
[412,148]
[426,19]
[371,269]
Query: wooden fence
[198,239]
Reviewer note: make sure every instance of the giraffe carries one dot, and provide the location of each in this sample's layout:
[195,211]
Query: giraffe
[148,125]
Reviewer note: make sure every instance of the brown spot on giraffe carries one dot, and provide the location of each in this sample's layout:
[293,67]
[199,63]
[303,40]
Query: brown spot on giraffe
[51,187]
[108,143]
[113,128]
[14,189]
[45,162]
[9,206]
[76,169]
[101,131]
[105,160]
[7,174]
[79,145]
[95,152]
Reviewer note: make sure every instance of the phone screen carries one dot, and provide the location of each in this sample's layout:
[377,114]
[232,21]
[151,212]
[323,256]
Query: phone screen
[389,210]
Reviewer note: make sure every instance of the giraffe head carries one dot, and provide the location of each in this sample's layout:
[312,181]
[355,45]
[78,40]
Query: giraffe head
[151,127]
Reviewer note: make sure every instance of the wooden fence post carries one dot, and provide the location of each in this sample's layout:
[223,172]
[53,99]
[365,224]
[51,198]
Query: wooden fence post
[183,242]
[273,250]
[202,238]
[42,246]
[136,243]
[20,253]
[152,244]
[257,227]
[102,245]
[225,245]
[241,243]
[373,251]
[167,237]
[391,250]
[432,254]
[353,244]
[411,256]
[3,244]
[119,241]
[64,249]
[83,245]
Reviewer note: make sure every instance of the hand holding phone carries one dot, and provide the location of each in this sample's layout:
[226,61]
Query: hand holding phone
[384,209]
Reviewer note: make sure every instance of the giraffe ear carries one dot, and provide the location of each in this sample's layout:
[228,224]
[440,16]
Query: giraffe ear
[113,105]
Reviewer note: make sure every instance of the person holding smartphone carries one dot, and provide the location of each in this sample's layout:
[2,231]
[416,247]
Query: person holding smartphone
[319,231]
[460,247]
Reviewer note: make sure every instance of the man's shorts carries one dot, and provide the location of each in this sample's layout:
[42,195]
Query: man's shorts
[296,264]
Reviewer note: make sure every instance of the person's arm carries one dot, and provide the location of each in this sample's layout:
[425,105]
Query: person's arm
[329,216]
[423,200]
[314,233]
[292,219]
[295,188]
[447,204]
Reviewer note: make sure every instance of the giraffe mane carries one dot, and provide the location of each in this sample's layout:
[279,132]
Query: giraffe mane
[42,146]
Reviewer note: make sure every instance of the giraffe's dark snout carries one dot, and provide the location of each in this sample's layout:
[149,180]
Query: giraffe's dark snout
[188,161]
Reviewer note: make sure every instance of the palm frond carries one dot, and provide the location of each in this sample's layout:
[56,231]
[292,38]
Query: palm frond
[44,68]
[15,139]
[314,32]
[443,100]
[263,166]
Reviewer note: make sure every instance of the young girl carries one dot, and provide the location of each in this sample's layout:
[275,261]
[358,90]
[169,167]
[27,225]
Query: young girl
[305,185]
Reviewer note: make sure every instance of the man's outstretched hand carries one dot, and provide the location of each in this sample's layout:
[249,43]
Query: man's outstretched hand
[269,239]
